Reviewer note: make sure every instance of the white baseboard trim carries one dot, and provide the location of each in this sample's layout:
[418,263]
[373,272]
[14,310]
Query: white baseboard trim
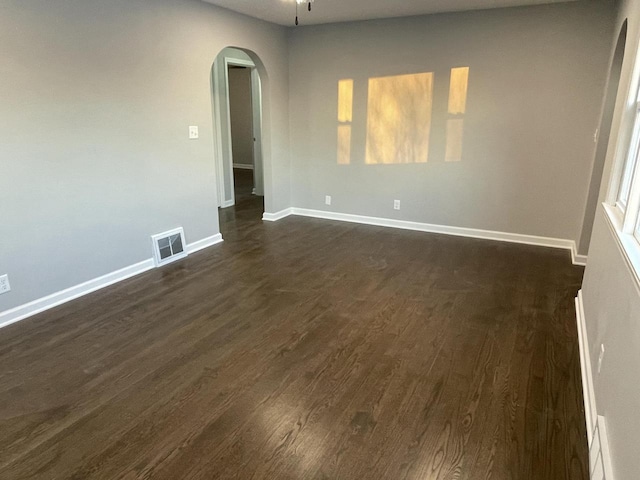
[55,299]
[274,217]
[443,229]
[45,303]
[590,409]
[599,452]
[242,166]
[228,203]
[204,243]
[576,258]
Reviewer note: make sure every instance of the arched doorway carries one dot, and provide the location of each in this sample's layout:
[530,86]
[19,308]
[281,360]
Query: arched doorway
[241,152]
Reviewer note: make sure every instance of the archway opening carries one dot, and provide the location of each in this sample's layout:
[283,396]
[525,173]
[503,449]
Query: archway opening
[241,136]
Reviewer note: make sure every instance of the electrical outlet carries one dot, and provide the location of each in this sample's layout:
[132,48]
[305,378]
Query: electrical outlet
[327,200]
[596,135]
[4,284]
[193,132]
[396,204]
[601,357]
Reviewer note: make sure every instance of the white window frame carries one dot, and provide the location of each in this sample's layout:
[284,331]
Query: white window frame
[626,188]
[636,232]
[623,206]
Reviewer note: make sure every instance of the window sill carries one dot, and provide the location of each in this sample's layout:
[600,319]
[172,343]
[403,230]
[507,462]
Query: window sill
[627,243]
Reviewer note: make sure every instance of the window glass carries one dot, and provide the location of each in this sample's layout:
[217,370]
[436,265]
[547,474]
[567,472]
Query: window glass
[630,165]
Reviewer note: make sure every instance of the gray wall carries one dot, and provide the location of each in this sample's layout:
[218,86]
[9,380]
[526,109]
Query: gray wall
[612,310]
[528,144]
[612,297]
[241,112]
[97,97]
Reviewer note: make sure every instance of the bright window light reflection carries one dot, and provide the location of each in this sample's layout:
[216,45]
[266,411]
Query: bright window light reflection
[458,87]
[345,100]
[399,119]
[455,130]
[458,90]
[345,118]
[344,144]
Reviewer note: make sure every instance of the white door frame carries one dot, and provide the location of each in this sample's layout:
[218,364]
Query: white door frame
[256,105]
[225,155]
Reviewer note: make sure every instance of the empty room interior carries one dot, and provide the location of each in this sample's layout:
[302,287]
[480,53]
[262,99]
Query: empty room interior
[292,239]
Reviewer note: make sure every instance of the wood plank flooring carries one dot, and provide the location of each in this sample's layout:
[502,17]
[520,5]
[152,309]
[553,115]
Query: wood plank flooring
[306,349]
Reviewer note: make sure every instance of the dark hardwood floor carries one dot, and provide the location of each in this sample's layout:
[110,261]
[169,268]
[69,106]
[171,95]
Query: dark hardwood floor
[306,349]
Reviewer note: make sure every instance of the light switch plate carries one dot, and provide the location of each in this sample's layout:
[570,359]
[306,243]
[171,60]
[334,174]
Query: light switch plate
[4,284]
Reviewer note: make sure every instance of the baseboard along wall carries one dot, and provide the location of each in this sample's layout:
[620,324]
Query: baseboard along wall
[274,217]
[585,367]
[242,166]
[600,467]
[433,228]
[40,305]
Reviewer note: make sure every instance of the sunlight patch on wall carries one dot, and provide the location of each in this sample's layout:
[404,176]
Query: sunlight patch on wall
[345,118]
[455,130]
[399,119]
[458,89]
[345,100]
[344,144]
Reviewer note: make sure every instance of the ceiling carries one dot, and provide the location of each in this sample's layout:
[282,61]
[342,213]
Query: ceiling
[329,11]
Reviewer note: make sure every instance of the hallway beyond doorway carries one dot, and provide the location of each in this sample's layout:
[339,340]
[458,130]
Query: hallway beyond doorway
[237,220]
